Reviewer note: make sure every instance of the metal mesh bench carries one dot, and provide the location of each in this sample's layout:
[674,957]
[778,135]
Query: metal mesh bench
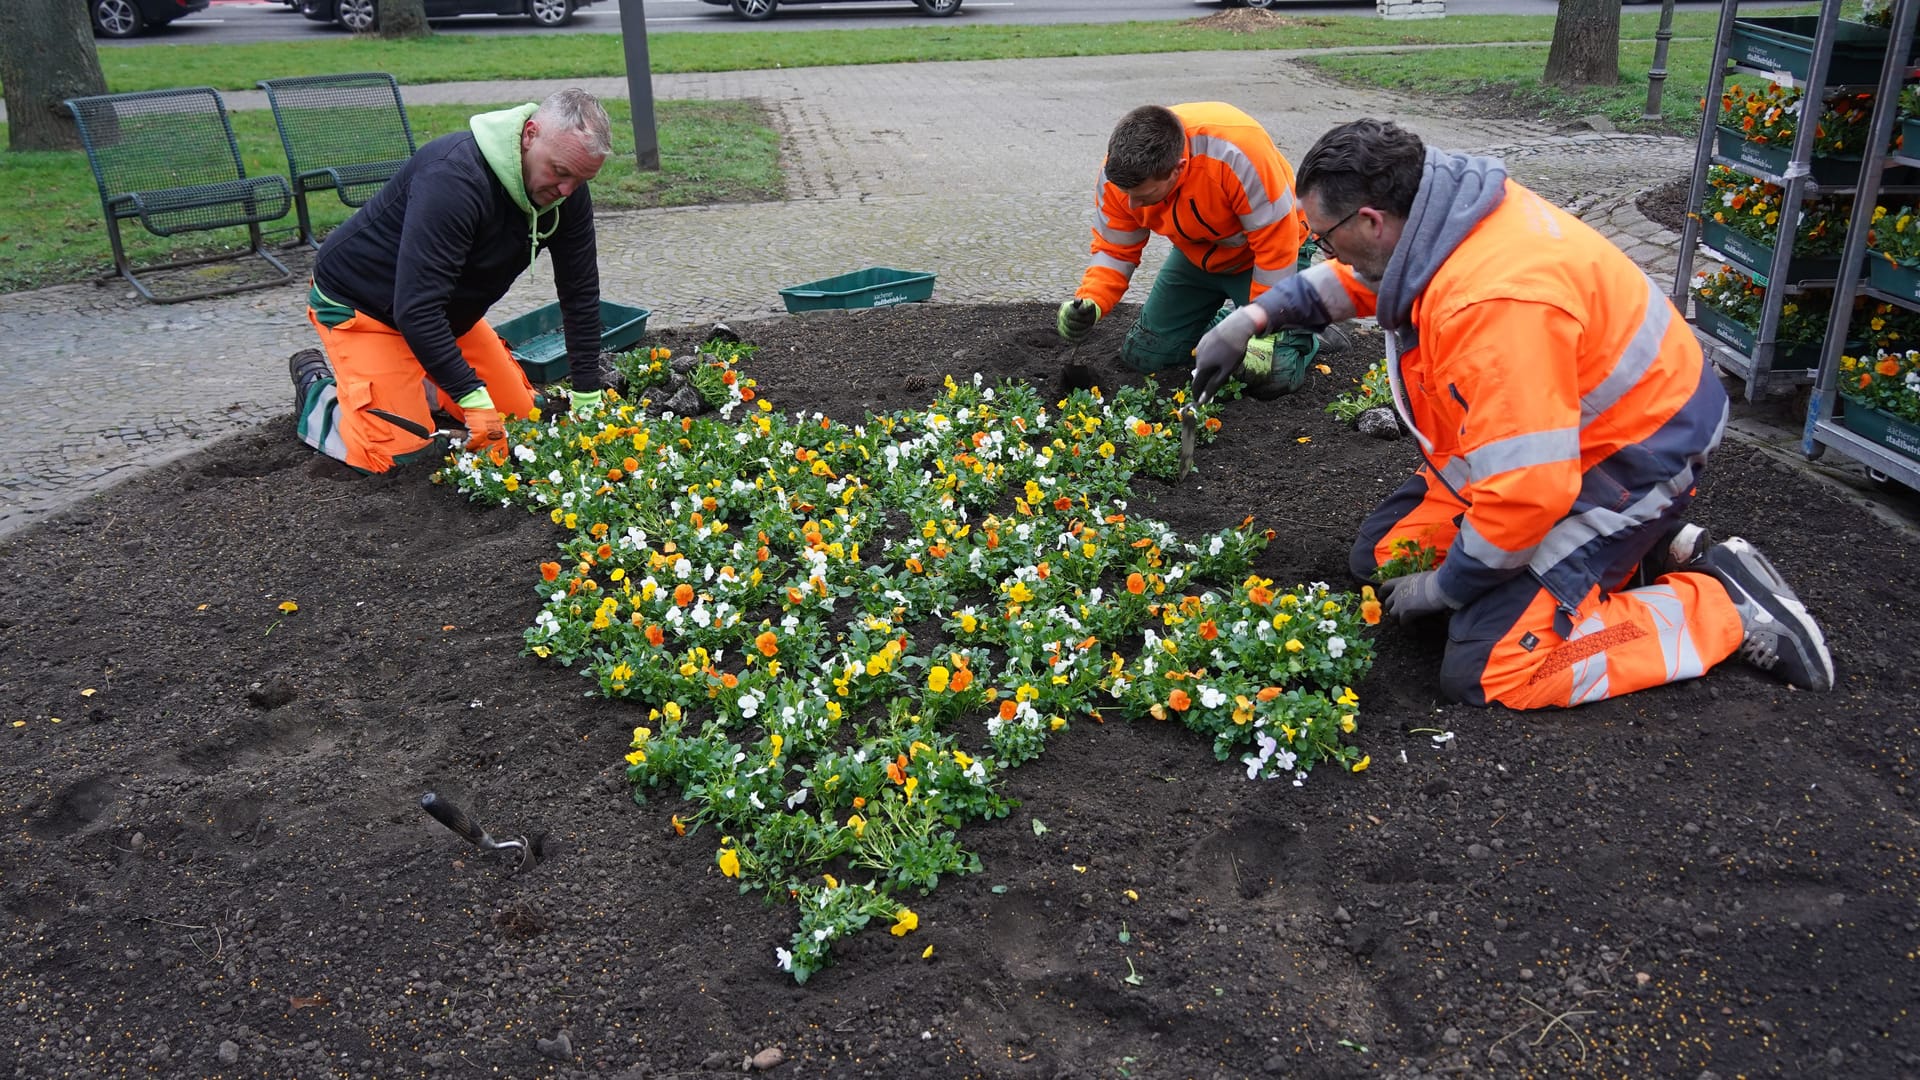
[343,133]
[168,159]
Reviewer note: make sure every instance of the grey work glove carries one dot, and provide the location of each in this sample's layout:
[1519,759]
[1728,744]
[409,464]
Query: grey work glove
[1219,353]
[1077,318]
[1408,598]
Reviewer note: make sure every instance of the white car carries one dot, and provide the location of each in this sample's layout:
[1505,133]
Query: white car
[763,9]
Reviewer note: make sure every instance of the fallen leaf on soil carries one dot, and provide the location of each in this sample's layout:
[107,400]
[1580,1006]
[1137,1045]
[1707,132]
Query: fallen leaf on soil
[313,1002]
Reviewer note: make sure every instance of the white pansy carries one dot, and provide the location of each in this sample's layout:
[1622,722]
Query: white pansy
[1211,697]
[784,958]
[754,798]
[1336,647]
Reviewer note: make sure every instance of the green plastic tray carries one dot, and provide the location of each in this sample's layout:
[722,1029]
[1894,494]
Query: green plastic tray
[876,286]
[538,339]
[1785,43]
[1879,426]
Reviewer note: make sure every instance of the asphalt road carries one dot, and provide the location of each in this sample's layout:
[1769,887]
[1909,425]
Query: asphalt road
[261,20]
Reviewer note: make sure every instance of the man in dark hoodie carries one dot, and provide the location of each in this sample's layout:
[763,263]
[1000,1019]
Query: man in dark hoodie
[1564,412]
[401,290]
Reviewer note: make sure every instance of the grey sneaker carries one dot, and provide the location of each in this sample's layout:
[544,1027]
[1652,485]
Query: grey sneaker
[1781,636]
[307,367]
[1681,550]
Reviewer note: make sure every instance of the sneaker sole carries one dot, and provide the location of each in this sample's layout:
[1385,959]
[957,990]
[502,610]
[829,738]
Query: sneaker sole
[1751,558]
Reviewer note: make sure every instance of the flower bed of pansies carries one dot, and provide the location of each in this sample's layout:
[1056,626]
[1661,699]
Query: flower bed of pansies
[844,635]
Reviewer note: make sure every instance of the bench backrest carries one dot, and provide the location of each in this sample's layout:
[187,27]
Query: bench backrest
[157,139]
[328,121]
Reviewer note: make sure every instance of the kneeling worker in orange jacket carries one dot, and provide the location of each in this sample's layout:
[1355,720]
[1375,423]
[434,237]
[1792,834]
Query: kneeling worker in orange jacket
[1565,413]
[1207,177]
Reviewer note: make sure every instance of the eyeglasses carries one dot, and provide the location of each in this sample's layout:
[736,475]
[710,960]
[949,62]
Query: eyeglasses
[1320,239]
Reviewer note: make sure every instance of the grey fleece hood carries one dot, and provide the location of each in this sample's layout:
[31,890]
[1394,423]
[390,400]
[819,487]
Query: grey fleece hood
[1456,192]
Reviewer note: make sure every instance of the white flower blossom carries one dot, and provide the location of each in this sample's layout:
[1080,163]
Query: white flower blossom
[1336,647]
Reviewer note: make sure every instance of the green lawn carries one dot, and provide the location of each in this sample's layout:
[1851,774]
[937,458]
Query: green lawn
[51,227]
[456,57]
[1512,73]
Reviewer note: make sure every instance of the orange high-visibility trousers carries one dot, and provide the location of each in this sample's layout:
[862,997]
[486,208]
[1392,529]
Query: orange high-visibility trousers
[374,368]
[1512,646]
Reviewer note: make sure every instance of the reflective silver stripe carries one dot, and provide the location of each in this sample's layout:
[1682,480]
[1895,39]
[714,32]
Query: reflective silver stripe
[1522,451]
[1126,269]
[1236,240]
[1576,532]
[1487,552]
[1270,278]
[1119,238]
[1263,207]
[1457,474]
[1670,624]
[1633,364]
[1259,215]
[1589,673]
[1333,295]
[1235,159]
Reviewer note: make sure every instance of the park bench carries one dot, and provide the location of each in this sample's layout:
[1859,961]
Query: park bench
[168,159]
[343,133]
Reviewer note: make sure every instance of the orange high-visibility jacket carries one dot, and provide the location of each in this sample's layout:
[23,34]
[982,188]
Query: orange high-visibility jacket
[1232,209]
[1552,386]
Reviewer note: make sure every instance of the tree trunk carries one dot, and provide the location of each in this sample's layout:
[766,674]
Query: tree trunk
[1586,44]
[404,19]
[46,56]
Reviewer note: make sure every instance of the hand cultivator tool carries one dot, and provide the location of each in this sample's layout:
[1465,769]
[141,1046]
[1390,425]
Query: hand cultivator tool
[1076,375]
[1190,432]
[529,847]
[412,428]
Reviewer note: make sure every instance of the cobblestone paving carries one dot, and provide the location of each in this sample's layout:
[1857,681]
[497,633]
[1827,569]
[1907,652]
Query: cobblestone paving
[982,172]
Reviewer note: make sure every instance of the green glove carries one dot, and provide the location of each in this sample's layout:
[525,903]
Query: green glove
[1076,318]
[1277,363]
[587,400]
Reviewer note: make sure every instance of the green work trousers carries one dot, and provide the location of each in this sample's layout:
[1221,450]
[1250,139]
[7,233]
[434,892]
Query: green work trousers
[1184,303]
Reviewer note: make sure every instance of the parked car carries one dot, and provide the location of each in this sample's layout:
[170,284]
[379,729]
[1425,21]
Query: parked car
[763,9]
[361,16]
[127,18]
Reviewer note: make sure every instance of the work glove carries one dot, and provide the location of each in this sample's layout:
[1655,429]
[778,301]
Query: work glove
[1222,349]
[1076,318]
[586,401]
[486,429]
[1410,597]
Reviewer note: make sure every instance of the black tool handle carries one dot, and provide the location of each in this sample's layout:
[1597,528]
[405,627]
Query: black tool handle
[455,818]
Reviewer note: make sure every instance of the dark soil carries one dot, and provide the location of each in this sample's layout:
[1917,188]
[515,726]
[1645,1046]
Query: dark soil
[216,864]
[1666,204]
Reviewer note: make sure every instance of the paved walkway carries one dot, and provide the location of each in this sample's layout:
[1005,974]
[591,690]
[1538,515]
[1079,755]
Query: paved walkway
[980,171]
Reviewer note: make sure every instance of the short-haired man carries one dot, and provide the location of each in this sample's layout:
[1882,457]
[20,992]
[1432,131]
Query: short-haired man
[1207,177]
[401,290]
[1564,411]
